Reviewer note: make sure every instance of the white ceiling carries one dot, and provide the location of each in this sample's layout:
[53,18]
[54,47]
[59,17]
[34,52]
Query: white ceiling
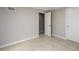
[46,8]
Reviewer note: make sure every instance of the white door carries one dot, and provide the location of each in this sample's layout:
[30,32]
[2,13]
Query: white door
[73,24]
[48,23]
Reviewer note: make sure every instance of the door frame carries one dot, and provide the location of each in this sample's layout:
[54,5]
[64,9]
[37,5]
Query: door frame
[44,22]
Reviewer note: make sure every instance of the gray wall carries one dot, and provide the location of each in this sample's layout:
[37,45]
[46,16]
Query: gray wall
[58,22]
[18,24]
[72,20]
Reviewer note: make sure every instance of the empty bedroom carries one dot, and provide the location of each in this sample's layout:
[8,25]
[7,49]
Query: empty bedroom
[39,29]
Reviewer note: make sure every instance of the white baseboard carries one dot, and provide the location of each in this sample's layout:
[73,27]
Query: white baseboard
[59,36]
[18,41]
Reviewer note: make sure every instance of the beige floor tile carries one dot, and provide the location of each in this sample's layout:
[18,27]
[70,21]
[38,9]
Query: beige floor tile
[44,43]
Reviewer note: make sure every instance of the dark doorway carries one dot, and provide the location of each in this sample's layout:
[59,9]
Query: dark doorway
[41,23]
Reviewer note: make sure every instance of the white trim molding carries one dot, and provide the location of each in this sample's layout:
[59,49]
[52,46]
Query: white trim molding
[19,41]
[59,36]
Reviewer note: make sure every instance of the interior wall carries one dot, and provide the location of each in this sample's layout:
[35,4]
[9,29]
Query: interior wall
[72,21]
[58,22]
[17,24]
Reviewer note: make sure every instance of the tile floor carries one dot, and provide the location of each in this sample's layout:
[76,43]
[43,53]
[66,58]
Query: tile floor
[44,43]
